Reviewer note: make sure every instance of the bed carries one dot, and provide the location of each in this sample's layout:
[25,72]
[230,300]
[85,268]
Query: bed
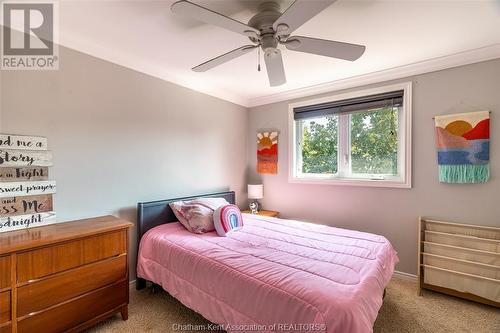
[272,275]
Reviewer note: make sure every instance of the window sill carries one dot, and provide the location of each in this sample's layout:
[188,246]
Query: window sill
[351,182]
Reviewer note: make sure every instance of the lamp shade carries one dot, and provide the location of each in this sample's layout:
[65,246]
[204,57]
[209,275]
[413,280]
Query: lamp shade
[255,191]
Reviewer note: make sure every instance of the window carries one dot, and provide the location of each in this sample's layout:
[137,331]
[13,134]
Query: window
[360,138]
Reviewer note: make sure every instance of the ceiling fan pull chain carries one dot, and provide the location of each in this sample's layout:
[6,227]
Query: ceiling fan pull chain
[258,66]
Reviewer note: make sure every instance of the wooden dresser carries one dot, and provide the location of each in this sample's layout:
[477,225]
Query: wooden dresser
[64,277]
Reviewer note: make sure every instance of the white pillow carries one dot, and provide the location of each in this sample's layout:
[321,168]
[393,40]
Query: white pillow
[197,215]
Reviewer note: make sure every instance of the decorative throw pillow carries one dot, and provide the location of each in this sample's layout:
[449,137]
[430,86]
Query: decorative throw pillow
[197,215]
[227,219]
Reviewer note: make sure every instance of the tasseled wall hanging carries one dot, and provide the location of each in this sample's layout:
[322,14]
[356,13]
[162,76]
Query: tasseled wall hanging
[463,144]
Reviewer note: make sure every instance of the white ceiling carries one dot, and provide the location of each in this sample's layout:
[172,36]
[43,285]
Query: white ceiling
[146,36]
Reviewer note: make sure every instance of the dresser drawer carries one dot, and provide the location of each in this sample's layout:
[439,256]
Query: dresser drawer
[4,272]
[38,263]
[4,307]
[64,286]
[68,315]
[6,328]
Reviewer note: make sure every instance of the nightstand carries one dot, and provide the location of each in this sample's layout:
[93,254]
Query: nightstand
[270,213]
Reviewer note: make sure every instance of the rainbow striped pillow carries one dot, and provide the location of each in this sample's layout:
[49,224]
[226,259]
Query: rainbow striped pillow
[227,219]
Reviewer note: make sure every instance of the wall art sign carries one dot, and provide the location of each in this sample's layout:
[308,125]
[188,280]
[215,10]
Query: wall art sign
[463,145]
[31,204]
[25,158]
[22,142]
[267,152]
[12,223]
[27,188]
[26,192]
[22,174]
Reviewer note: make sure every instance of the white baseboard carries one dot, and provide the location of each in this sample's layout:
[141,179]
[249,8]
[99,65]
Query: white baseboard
[405,276]
[132,283]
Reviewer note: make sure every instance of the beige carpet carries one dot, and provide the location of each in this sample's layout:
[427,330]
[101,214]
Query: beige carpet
[402,311]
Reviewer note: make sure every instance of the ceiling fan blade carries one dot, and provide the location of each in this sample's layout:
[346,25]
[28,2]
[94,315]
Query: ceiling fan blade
[224,58]
[206,15]
[328,48]
[274,67]
[299,13]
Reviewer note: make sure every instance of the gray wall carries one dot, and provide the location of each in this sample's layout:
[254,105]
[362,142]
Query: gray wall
[120,137]
[390,212]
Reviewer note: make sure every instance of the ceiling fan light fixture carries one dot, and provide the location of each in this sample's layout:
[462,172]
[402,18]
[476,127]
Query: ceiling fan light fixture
[269,43]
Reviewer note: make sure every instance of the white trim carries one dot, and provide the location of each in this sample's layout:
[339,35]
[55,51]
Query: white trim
[350,182]
[84,45]
[407,133]
[431,65]
[104,52]
[405,276]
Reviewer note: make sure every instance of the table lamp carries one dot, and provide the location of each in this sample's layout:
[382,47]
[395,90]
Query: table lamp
[255,192]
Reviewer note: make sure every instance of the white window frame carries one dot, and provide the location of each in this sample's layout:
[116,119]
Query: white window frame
[404,148]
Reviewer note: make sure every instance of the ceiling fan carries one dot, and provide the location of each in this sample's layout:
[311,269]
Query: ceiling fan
[268,29]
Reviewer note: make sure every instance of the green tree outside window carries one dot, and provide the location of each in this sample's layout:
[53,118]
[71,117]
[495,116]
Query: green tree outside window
[374,143]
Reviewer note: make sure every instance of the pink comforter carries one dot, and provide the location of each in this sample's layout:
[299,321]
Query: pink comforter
[273,275]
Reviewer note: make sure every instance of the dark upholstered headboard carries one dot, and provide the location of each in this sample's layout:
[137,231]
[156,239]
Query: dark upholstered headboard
[153,213]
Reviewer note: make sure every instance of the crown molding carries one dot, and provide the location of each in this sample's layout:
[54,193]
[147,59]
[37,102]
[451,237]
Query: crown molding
[106,53]
[84,45]
[103,52]
[431,65]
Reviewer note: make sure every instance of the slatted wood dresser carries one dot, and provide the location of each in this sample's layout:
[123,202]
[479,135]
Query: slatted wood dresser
[64,277]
